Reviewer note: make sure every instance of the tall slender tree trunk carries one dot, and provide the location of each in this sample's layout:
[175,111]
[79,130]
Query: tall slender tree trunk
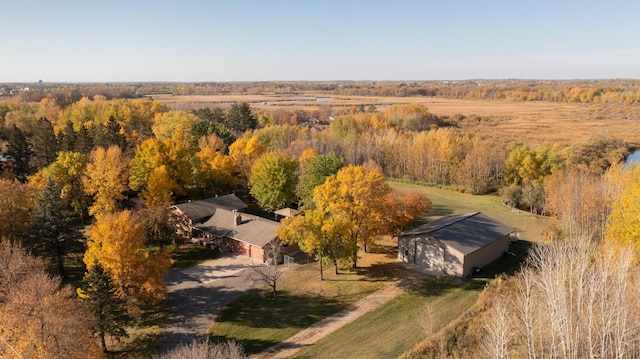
[321,269]
[103,343]
[59,259]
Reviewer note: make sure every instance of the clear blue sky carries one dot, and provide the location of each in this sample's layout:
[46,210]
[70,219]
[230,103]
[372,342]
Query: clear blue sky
[190,41]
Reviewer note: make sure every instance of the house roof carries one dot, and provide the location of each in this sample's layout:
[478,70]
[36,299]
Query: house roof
[287,212]
[199,211]
[254,230]
[463,232]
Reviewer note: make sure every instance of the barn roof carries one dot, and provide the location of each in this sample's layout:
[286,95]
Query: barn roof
[199,211]
[463,232]
[254,230]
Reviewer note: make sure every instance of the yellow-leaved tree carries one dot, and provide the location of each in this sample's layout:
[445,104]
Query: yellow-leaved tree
[624,222]
[214,168]
[356,194]
[106,179]
[319,234]
[117,241]
[244,153]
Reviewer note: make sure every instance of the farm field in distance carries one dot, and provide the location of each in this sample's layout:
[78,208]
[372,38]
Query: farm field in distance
[530,122]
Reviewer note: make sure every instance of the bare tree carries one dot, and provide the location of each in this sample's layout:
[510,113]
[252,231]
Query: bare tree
[201,349]
[573,299]
[270,271]
[498,332]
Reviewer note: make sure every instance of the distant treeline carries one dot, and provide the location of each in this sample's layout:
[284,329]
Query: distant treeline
[617,91]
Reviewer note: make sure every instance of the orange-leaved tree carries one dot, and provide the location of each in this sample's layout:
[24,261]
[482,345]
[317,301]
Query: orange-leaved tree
[117,241]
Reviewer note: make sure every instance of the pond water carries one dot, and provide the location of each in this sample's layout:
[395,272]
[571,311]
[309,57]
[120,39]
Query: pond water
[633,158]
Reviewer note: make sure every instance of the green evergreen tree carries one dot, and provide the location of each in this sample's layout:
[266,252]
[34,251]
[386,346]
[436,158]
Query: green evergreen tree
[240,118]
[43,144]
[52,228]
[67,138]
[100,294]
[20,150]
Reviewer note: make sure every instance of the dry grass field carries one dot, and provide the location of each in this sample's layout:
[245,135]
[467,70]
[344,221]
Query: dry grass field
[530,122]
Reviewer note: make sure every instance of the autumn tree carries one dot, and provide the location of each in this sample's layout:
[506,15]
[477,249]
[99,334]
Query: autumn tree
[314,173]
[100,295]
[166,124]
[578,199]
[66,172]
[117,242]
[105,179]
[40,319]
[404,208]
[572,299]
[214,170]
[623,226]
[160,224]
[318,234]
[245,153]
[273,180]
[357,195]
[174,179]
[15,203]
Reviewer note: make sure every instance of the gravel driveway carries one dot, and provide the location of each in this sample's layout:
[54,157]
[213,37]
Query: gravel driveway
[196,294]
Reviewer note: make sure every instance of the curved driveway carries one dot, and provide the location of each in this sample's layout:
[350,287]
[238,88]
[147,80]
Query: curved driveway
[196,294]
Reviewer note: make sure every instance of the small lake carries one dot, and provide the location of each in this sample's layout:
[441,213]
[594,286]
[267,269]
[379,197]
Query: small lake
[633,158]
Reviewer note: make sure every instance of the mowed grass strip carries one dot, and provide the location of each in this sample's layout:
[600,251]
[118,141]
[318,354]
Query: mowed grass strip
[258,321]
[400,324]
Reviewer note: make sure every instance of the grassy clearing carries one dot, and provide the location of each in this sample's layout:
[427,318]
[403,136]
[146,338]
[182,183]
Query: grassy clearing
[399,324]
[258,321]
[444,203]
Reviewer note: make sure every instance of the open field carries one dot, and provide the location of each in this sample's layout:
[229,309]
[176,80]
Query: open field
[531,122]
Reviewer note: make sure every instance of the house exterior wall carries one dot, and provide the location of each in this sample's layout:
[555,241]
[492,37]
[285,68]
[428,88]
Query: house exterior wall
[256,253]
[486,255]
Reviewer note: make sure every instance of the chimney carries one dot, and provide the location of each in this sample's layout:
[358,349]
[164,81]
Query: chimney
[237,218]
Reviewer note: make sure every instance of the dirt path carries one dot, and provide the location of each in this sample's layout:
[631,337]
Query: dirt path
[332,323]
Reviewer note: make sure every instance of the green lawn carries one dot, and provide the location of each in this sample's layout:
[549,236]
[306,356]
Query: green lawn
[258,321]
[400,324]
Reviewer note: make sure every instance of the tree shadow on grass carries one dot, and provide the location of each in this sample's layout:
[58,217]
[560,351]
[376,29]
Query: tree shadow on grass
[258,309]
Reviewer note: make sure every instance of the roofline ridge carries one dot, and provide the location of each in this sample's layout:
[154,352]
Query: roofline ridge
[462,218]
